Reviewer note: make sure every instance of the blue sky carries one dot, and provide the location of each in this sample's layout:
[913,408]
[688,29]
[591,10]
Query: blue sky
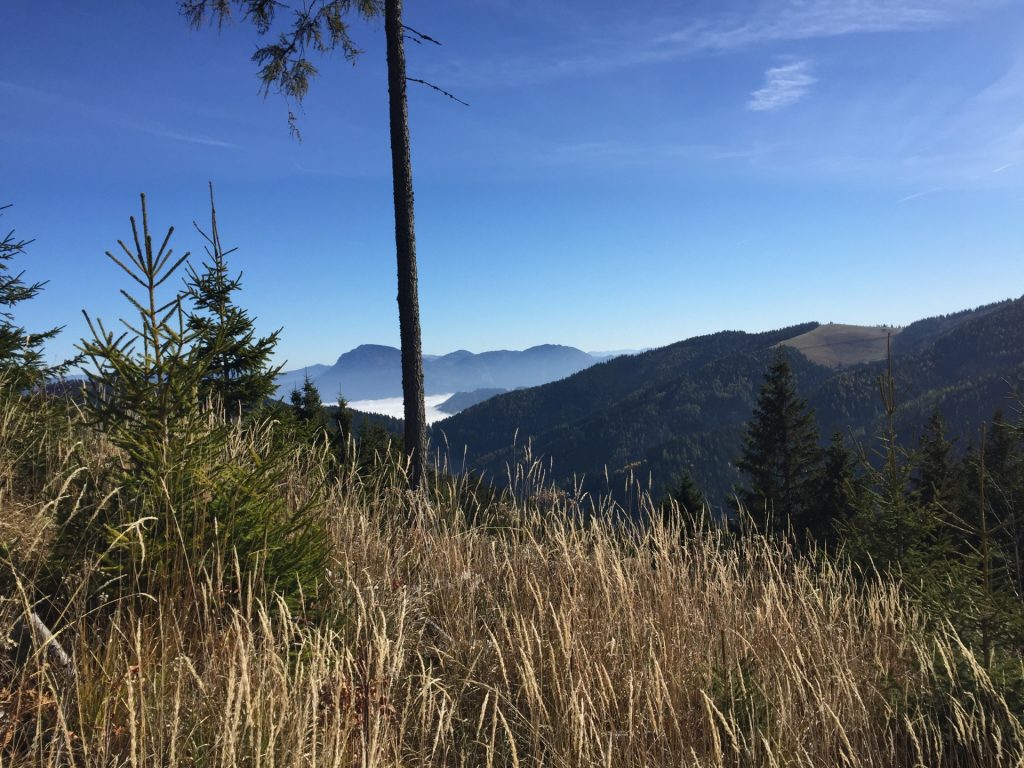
[627,175]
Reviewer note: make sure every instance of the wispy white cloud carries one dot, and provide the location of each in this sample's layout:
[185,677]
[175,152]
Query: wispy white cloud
[783,86]
[188,138]
[982,141]
[105,116]
[923,193]
[647,42]
[784,20]
[917,122]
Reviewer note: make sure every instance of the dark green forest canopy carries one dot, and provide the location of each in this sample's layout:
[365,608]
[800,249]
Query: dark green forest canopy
[684,406]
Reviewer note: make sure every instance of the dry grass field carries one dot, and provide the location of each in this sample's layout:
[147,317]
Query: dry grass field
[531,639]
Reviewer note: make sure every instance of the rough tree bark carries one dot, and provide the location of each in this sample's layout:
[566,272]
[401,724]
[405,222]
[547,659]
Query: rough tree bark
[405,242]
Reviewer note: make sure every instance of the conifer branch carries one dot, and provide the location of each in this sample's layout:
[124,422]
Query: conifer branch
[422,37]
[436,88]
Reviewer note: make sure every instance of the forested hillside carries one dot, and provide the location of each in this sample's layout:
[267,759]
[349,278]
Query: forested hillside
[967,365]
[644,411]
[683,407]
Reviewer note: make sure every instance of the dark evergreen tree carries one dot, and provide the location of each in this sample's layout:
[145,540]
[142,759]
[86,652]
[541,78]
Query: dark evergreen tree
[839,490]
[1004,459]
[688,496]
[985,602]
[934,479]
[891,528]
[781,456]
[240,375]
[376,446]
[343,427]
[686,499]
[307,407]
[21,352]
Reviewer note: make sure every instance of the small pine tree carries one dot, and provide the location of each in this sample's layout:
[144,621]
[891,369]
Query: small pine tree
[344,418]
[891,528]
[21,352]
[187,500]
[983,602]
[1004,453]
[142,398]
[343,425]
[688,495]
[781,456]
[934,479]
[308,408]
[685,507]
[305,401]
[1005,462]
[375,445]
[240,375]
[686,499]
[839,489]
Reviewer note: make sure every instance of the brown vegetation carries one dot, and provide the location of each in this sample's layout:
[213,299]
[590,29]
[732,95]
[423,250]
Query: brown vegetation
[836,345]
[530,639]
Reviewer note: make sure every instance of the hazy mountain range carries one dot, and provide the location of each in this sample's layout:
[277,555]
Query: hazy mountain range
[372,372]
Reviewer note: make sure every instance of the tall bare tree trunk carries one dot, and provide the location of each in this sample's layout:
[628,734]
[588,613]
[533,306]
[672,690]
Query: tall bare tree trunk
[405,242]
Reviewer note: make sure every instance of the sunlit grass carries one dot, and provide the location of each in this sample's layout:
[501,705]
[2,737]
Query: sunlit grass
[534,636]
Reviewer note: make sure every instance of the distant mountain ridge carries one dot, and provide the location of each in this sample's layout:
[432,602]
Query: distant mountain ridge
[372,371]
[684,406]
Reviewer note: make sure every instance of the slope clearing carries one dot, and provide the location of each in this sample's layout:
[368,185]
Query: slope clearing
[837,345]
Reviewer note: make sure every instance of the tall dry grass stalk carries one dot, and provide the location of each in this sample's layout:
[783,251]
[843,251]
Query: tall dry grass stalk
[546,640]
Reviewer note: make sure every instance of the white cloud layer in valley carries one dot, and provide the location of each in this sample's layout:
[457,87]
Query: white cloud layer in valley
[393,406]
